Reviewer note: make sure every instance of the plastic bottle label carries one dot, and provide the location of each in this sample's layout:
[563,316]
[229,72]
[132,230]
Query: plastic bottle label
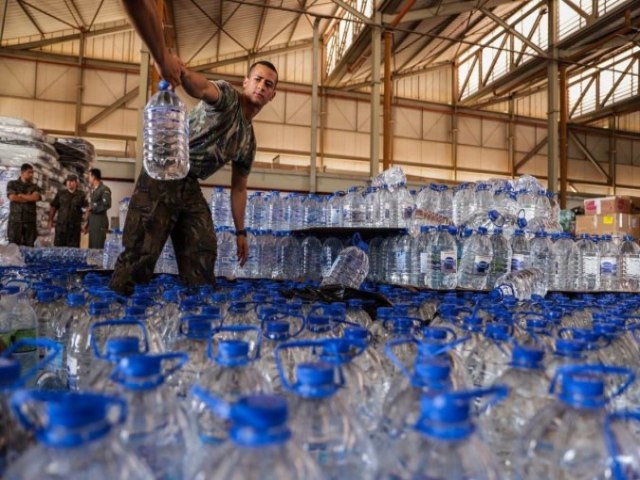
[401,261]
[609,266]
[590,265]
[448,261]
[481,264]
[517,262]
[631,266]
[72,365]
[424,262]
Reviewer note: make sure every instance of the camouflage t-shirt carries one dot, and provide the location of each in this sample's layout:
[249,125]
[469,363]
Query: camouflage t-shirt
[220,134]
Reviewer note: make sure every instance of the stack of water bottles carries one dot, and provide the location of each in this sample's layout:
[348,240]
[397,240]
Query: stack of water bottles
[241,382]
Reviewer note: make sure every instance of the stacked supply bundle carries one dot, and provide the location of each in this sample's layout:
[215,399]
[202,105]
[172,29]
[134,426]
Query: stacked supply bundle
[21,142]
[76,155]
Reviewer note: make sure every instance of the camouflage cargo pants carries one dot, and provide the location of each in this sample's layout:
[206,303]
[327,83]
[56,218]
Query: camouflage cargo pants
[158,209]
[67,237]
[22,233]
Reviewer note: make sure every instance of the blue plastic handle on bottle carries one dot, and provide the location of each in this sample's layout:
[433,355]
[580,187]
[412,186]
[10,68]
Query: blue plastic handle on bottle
[116,323]
[177,359]
[236,329]
[219,407]
[286,384]
[53,348]
[27,406]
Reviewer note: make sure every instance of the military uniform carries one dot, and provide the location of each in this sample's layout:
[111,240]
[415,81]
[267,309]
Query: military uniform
[69,222]
[219,134]
[22,228]
[98,220]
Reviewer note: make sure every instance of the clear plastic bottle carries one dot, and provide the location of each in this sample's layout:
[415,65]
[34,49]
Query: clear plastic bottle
[20,322]
[609,265]
[353,209]
[166,136]
[475,264]
[157,429]
[288,257]
[221,208]
[442,259]
[392,177]
[261,446]
[444,443]
[75,435]
[584,265]
[520,251]
[275,212]
[226,258]
[561,253]
[501,257]
[351,267]
[404,207]
[311,259]
[542,256]
[630,265]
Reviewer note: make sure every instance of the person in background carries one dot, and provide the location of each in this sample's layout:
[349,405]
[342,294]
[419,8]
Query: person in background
[23,194]
[220,133]
[100,203]
[69,205]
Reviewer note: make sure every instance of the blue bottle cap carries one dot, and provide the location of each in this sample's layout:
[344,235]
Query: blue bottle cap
[527,357]
[425,228]
[315,380]
[276,330]
[435,333]
[518,233]
[232,353]
[432,370]
[569,347]
[356,333]
[493,215]
[135,311]
[197,326]
[211,310]
[76,299]
[583,391]
[260,412]
[497,231]
[98,308]
[44,296]
[497,331]
[163,85]
[117,347]
[482,231]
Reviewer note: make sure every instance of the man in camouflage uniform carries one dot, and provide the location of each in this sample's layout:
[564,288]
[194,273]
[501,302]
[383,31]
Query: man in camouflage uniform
[23,195]
[99,204]
[69,205]
[220,132]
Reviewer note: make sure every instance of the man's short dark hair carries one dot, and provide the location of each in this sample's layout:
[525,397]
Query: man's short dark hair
[264,63]
[25,166]
[96,173]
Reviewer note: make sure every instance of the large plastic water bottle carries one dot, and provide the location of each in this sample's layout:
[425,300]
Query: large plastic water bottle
[351,267]
[630,265]
[156,428]
[542,256]
[570,437]
[528,392]
[386,206]
[331,247]
[502,254]
[475,264]
[441,262]
[405,206]
[14,440]
[490,356]
[226,259]
[221,208]
[463,204]
[609,265]
[261,445]
[520,251]
[73,432]
[444,443]
[311,259]
[323,423]
[584,265]
[288,258]
[562,250]
[276,212]
[353,209]
[20,322]
[392,177]
[166,136]
[230,374]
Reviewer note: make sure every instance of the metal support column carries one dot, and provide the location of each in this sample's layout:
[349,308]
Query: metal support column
[553,107]
[3,9]
[143,97]
[387,129]
[374,145]
[613,152]
[511,143]
[563,143]
[80,92]
[454,119]
[315,79]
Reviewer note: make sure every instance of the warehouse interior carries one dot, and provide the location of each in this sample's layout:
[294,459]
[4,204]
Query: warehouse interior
[458,90]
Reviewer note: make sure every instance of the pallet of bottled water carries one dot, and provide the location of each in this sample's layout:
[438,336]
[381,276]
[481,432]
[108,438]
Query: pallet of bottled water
[238,381]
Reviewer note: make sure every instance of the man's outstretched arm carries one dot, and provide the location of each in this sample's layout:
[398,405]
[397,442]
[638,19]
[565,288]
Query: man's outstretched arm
[145,19]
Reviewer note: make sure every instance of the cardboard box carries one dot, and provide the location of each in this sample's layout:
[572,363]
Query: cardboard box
[618,224]
[619,204]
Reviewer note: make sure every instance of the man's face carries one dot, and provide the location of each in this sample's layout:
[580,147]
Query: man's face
[92,179]
[260,86]
[72,185]
[27,176]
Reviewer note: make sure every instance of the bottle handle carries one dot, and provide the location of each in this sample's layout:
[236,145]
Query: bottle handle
[237,329]
[115,323]
[388,350]
[54,349]
[597,369]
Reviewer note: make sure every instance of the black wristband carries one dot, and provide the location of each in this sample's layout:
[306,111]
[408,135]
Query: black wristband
[241,232]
